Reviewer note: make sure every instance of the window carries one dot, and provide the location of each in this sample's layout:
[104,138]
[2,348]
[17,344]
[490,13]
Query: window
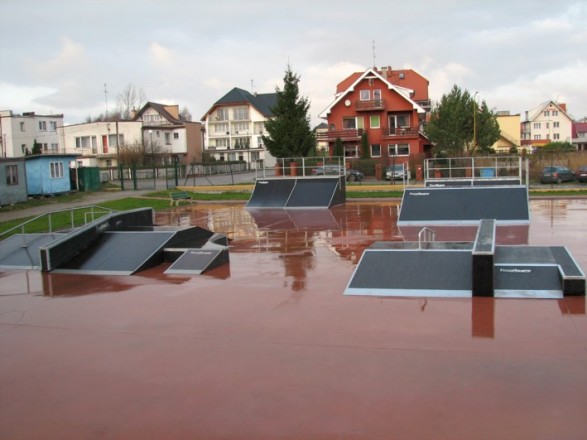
[56,170]
[22,126]
[221,128]
[11,175]
[555,113]
[240,113]
[349,123]
[377,96]
[536,125]
[108,162]
[43,125]
[398,121]
[546,113]
[53,125]
[54,146]
[86,142]
[167,138]
[175,135]
[375,121]
[398,150]
[112,140]
[375,150]
[222,114]
[536,137]
[365,95]
[556,124]
[241,142]
[241,127]
[556,136]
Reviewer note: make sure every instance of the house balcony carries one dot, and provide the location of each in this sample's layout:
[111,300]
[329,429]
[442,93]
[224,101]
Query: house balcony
[425,104]
[371,105]
[344,135]
[401,132]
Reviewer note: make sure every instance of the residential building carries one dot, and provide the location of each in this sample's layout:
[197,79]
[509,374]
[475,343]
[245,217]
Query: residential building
[391,106]
[13,188]
[19,133]
[548,122]
[168,135]
[509,137]
[97,143]
[580,136]
[234,127]
[48,174]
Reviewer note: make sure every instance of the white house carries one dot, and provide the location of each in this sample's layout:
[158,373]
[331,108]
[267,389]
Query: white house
[96,142]
[549,122]
[234,126]
[19,133]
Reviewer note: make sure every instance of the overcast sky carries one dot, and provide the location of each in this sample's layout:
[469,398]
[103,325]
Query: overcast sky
[57,55]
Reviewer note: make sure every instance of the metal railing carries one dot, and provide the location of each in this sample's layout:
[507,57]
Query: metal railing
[471,170]
[304,167]
[426,235]
[90,213]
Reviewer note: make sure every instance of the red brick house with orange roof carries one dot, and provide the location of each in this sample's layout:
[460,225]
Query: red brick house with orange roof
[391,106]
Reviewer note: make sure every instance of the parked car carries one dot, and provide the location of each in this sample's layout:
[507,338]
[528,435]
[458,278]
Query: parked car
[397,172]
[581,174]
[556,175]
[352,175]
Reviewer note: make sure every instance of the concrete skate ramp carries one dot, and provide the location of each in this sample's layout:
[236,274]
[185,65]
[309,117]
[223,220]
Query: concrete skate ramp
[451,206]
[298,192]
[119,253]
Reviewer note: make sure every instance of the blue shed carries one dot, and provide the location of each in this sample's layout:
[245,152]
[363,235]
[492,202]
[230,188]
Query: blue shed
[13,187]
[48,174]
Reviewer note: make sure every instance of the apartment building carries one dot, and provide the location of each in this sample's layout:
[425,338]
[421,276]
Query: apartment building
[20,133]
[234,127]
[548,122]
[390,106]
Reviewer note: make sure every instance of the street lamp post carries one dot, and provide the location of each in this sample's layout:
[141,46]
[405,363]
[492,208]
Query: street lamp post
[475,121]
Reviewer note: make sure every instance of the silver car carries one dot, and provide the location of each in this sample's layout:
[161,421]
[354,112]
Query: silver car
[398,172]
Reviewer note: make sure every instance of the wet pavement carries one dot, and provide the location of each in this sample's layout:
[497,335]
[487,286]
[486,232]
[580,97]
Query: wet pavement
[268,347]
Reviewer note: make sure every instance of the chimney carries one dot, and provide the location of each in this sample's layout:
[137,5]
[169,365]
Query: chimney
[563,107]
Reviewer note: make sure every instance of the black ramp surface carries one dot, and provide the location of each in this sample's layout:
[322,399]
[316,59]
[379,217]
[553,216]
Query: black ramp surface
[527,280]
[505,204]
[119,253]
[271,193]
[22,252]
[313,193]
[412,272]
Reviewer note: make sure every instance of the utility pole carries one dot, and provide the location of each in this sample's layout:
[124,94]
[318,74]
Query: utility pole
[106,98]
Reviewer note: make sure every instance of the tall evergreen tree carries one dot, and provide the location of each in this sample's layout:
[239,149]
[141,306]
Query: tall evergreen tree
[458,125]
[289,132]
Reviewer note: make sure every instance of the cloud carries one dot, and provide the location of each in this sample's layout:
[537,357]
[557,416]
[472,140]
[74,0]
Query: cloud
[71,59]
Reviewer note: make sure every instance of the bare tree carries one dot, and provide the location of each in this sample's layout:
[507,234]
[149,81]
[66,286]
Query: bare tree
[131,98]
[185,115]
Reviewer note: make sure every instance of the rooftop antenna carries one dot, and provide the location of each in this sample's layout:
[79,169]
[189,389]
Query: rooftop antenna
[106,98]
[374,65]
